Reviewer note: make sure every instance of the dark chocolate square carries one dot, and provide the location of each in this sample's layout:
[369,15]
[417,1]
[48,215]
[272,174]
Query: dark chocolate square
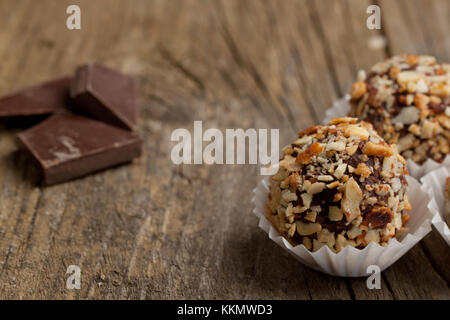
[46,98]
[106,95]
[67,146]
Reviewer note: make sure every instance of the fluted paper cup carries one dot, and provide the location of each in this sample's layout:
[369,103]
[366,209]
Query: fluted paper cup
[433,183]
[341,108]
[418,171]
[352,262]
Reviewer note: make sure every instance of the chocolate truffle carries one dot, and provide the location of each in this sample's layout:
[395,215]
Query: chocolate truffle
[339,185]
[407,99]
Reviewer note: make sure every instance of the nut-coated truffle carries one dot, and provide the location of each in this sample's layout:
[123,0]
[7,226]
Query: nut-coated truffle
[407,99]
[339,185]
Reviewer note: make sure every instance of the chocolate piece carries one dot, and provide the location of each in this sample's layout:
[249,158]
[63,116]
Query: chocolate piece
[45,98]
[106,95]
[68,146]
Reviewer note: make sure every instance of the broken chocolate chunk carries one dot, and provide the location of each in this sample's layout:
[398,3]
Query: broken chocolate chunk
[68,146]
[378,217]
[46,98]
[106,95]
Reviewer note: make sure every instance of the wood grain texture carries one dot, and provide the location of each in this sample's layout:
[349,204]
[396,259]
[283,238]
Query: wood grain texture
[153,230]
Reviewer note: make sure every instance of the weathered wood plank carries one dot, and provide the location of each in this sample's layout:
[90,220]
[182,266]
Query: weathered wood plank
[155,230]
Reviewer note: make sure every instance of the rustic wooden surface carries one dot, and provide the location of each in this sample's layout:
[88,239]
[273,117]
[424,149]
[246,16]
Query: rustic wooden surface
[155,230]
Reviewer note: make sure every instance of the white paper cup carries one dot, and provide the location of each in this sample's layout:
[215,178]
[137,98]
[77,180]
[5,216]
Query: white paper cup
[433,184]
[352,262]
[341,108]
[418,171]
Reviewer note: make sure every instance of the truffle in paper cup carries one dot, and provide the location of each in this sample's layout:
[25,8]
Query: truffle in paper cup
[352,262]
[433,183]
[341,108]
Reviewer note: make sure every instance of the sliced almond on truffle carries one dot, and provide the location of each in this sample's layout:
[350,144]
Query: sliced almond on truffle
[440,89]
[421,86]
[307,229]
[289,163]
[333,185]
[363,170]
[405,218]
[327,237]
[306,198]
[394,71]
[407,76]
[406,142]
[313,150]
[353,196]
[358,90]
[317,245]
[407,203]
[309,131]
[326,178]
[316,187]
[303,140]
[355,131]
[421,102]
[340,170]
[414,129]
[336,146]
[288,196]
[428,129]
[294,180]
[311,216]
[388,164]
[354,232]
[307,243]
[335,213]
[289,210]
[342,242]
[352,149]
[374,149]
[407,115]
[444,120]
[343,120]
[372,235]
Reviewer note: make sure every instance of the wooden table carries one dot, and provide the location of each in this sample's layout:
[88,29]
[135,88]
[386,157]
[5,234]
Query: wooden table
[154,230]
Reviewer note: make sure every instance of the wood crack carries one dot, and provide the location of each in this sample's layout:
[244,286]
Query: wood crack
[433,263]
[350,289]
[251,70]
[388,286]
[183,69]
[327,50]
[298,64]
[31,226]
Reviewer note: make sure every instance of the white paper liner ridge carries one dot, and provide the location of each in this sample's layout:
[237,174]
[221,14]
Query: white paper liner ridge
[352,262]
[433,184]
[341,107]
